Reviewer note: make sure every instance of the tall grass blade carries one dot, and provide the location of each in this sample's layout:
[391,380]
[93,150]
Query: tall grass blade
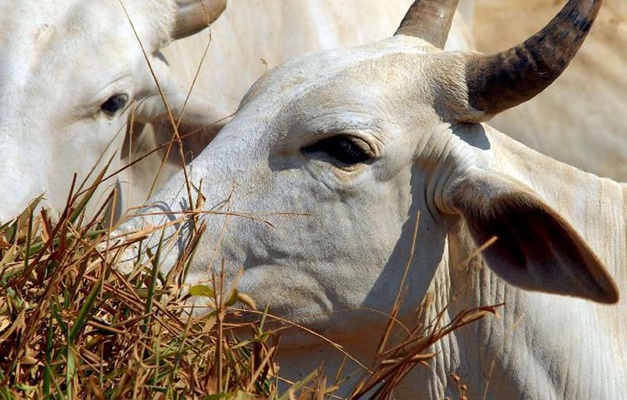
[85,312]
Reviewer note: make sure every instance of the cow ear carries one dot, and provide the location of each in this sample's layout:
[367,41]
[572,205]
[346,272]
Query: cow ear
[535,248]
[195,136]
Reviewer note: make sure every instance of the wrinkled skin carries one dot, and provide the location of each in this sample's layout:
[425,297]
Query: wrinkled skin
[339,234]
[71,72]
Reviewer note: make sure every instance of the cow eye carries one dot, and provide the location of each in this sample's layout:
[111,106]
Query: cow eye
[114,104]
[343,148]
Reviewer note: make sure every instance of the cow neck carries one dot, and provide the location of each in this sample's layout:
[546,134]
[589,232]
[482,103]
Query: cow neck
[541,345]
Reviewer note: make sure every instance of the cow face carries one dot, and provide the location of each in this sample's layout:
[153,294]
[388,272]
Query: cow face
[338,164]
[314,180]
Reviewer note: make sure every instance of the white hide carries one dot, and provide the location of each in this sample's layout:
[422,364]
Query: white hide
[254,36]
[324,244]
[61,61]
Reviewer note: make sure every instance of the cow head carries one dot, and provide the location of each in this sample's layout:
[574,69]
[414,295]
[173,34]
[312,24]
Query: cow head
[314,189]
[71,74]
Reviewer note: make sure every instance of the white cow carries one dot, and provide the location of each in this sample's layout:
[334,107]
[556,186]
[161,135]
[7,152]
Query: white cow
[314,188]
[252,37]
[70,72]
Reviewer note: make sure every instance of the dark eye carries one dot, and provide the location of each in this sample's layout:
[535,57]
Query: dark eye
[341,147]
[114,104]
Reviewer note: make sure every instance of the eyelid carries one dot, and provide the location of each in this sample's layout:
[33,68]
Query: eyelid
[370,139]
[367,135]
[122,84]
[363,144]
[345,149]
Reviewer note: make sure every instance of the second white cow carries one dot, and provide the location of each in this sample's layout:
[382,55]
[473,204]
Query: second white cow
[70,73]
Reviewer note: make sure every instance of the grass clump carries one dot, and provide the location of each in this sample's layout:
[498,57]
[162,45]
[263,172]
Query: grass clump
[71,327]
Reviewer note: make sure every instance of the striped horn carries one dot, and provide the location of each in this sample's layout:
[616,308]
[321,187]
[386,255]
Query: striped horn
[194,16]
[504,80]
[429,20]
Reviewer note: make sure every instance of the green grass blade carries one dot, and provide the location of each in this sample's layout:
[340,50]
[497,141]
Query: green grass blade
[83,316]
[153,281]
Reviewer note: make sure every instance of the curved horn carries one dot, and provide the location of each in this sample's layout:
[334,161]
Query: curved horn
[194,16]
[504,80]
[429,20]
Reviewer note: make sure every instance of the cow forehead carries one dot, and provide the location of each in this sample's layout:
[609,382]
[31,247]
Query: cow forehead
[32,26]
[336,72]
[349,91]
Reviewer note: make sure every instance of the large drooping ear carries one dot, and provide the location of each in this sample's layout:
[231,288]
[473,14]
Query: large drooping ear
[535,249]
[194,137]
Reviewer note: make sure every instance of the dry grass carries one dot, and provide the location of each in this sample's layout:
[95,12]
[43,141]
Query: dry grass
[71,327]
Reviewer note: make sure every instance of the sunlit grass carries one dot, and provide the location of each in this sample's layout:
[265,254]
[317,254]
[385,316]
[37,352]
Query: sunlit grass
[72,327]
